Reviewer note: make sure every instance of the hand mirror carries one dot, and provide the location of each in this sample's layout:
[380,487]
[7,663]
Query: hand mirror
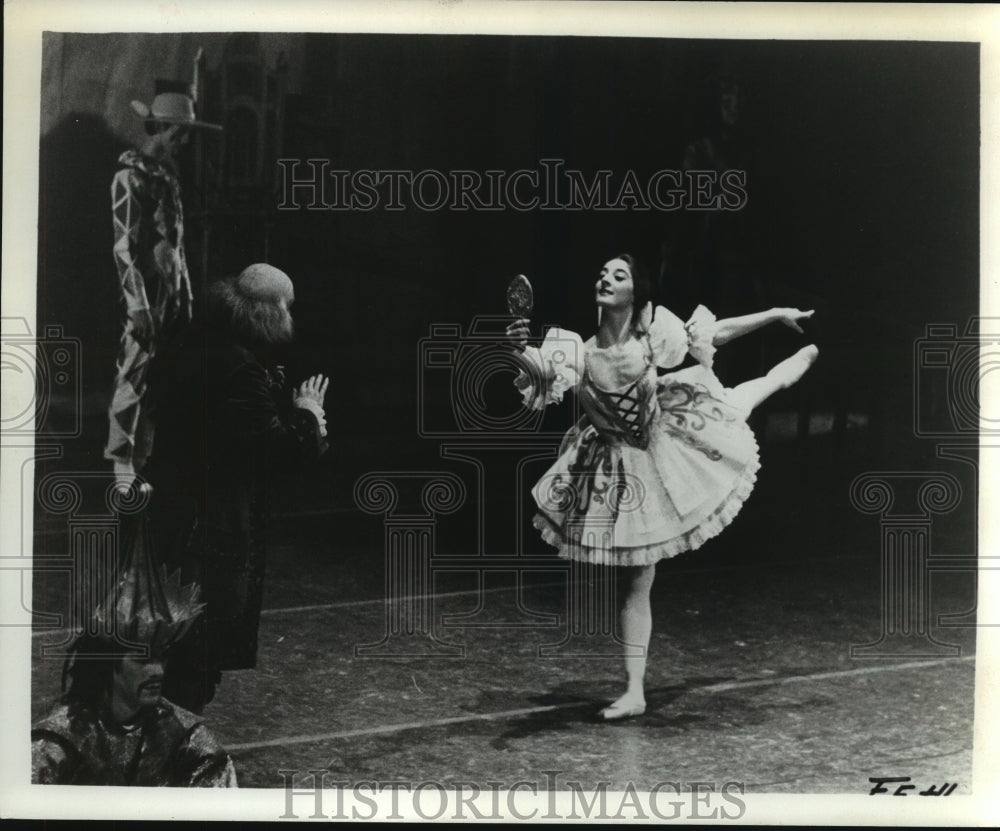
[520,297]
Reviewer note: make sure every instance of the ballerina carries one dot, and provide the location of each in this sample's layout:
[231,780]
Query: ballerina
[657,465]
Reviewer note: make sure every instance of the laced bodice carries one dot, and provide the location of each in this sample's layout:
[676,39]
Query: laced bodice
[620,411]
[627,411]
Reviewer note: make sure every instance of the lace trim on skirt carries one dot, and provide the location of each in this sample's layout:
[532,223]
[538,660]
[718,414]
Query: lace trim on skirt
[643,555]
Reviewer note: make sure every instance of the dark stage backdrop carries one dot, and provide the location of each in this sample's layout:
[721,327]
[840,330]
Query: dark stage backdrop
[862,161]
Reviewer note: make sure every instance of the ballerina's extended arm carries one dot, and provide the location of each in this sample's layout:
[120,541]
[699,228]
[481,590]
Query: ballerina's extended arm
[734,327]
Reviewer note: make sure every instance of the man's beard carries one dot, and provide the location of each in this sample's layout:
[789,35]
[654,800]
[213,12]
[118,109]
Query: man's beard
[284,330]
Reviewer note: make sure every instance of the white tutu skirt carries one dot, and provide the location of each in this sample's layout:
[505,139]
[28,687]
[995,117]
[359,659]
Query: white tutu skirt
[610,502]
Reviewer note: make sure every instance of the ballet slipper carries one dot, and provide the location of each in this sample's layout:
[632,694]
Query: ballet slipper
[624,707]
[792,369]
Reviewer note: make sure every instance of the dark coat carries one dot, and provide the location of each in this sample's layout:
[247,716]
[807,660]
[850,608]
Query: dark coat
[225,429]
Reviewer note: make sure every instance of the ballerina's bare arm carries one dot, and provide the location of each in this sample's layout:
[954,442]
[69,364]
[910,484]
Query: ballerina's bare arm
[734,327]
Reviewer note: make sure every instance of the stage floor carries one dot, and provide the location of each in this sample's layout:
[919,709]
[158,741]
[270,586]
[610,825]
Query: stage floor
[750,675]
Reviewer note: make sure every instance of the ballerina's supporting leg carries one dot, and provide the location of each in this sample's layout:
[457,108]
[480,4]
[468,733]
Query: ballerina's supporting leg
[751,394]
[636,625]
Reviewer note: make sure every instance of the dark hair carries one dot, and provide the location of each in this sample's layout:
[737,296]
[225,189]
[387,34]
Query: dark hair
[89,667]
[642,287]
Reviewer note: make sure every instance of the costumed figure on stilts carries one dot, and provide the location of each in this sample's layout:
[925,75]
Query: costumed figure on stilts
[153,279]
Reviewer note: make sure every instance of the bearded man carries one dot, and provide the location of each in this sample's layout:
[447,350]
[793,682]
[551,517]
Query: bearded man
[225,426]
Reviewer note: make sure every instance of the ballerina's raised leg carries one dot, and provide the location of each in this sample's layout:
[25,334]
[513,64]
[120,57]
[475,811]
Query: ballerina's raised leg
[634,340]
[637,582]
[751,394]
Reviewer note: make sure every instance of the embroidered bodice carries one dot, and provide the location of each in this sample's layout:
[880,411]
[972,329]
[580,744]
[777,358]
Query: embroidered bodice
[625,411]
[619,411]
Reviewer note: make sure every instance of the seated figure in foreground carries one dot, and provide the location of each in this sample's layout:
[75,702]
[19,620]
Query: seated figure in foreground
[112,725]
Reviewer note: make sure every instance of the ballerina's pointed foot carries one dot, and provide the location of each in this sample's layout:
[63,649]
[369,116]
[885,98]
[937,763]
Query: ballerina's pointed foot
[792,369]
[628,706]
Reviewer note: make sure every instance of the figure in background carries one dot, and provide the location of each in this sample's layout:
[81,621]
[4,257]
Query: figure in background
[710,255]
[657,465]
[152,270]
[112,725]
[226,429]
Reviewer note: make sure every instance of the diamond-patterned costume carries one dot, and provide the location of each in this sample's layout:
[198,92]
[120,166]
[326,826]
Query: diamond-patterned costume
[155,292]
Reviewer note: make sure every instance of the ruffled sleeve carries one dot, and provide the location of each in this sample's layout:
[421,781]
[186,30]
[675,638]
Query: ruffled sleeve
[667,338]
[554,367]
[701,328]
[672,339]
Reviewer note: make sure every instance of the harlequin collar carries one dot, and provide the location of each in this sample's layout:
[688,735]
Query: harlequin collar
[145,164]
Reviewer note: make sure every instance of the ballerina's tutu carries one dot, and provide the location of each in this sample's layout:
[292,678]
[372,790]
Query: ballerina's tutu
[655,467]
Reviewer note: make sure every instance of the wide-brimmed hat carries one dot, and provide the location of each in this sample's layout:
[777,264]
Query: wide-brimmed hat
[172,108]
